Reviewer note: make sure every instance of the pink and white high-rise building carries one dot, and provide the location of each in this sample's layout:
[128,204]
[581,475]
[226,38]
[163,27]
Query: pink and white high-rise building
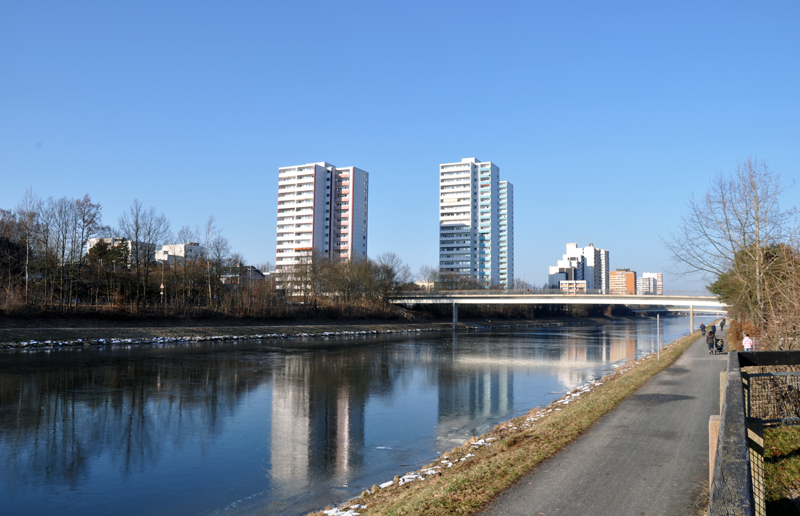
[322,207]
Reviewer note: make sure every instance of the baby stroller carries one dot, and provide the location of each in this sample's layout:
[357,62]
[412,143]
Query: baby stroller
[719,345]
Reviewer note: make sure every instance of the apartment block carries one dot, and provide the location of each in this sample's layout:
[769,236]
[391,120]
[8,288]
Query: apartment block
[169,253]
[572,287]
[589,264]
[506,233]
[646,286]
[659,277]
[144,250]
[469,221]
[324,208]
[622,282]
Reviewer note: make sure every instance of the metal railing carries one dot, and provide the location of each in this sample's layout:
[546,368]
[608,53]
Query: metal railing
[750,401]
[773,398]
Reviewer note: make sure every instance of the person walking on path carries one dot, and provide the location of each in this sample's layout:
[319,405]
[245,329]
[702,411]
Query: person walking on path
[722,325]
[713,328]
[747,343]
[647,456]
[702,329]
[710,341]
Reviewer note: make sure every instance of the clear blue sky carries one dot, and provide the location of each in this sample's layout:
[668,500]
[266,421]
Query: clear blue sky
[606,116]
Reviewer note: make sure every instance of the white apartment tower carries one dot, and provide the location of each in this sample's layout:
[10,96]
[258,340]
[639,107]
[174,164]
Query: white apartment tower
[506,235]
[321,207]
[469,225]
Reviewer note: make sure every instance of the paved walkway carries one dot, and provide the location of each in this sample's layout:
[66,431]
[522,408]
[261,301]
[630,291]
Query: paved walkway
[649,456]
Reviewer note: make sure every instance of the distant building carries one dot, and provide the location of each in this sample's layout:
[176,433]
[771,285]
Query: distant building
[659,277]
[646,286]
[572,287]
[588,264]
[143,248]
[321,207]
[110,242]
[506,234]
[242,274]
[169,253]
[622,282]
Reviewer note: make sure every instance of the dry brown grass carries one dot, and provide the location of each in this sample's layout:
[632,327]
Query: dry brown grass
[519,446]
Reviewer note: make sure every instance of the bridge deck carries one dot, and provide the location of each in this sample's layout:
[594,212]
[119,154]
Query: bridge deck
[480,298]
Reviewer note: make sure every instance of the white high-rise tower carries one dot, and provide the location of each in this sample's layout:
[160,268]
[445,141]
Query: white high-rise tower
[506,239]
[469,225]
[321,207]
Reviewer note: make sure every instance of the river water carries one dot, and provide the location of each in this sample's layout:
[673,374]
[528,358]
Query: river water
[247,427]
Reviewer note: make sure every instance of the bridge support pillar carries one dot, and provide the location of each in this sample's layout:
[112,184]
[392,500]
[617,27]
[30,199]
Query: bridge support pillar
[455,316]
[691,318]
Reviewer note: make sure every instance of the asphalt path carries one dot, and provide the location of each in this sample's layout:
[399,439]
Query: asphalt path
[648,457]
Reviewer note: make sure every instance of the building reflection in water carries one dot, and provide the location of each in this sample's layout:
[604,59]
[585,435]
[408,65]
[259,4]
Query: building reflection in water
[79,419]
[317,417]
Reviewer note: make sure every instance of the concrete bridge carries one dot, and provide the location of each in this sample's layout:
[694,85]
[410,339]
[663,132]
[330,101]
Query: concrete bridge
[689,303]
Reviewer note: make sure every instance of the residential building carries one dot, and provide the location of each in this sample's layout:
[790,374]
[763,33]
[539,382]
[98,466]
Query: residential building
[506,233]
[572,286]
[469,223]
[242,274]
[188,251]
[659,277]
[622,282]
[143,250]
[588,263]
[646,286]
[110,242]
[425,285]
[324,208]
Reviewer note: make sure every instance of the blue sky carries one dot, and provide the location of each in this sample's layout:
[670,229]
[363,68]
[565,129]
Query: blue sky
[605,116]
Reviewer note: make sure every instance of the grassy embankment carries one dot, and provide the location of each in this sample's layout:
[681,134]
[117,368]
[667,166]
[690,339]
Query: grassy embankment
[782,465]
[516,447]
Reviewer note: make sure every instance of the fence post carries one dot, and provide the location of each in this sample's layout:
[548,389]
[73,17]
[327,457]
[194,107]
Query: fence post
[755,445]
[746,387]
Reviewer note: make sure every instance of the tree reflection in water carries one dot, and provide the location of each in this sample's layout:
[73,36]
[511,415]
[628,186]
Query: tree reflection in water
[216,424]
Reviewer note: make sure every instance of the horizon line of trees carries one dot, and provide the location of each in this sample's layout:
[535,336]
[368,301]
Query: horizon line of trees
[46,264]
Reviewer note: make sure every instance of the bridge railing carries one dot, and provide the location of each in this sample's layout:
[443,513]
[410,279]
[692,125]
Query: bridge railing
[539,291]
[491,292]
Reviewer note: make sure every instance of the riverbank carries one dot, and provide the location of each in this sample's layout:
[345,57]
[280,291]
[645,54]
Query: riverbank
[465,479]
[42,334]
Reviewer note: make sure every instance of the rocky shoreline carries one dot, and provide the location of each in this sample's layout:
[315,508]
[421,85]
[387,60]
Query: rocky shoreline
[182,339]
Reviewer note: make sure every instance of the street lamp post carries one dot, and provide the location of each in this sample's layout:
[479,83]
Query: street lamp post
[162,283]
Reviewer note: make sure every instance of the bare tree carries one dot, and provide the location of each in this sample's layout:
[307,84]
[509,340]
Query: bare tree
[145,229]
[392,274]
[217,249]
[428,275]
[728,231]
[89,220]
[28,216]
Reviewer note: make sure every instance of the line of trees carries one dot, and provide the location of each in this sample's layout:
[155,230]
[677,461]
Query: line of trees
[44,261]
[45,266]
[745,244]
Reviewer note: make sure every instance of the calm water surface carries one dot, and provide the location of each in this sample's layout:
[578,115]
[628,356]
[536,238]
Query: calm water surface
[247,428]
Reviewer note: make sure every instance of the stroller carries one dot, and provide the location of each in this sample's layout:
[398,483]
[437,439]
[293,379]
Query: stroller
[719,345]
